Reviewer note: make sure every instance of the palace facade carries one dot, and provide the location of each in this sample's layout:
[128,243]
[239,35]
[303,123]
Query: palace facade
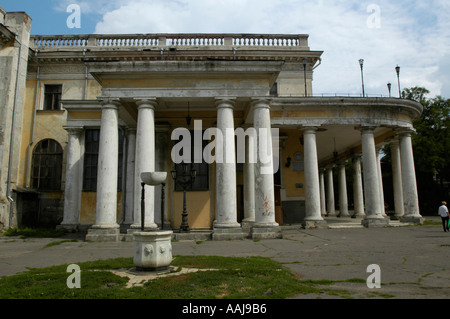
[82,116]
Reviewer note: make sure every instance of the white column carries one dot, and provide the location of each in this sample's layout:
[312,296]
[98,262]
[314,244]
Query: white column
[311,171]
[129,196]
[108,156]
[358,196]
[380,182]
[264,187]
[226,205]
[410,196]
[249,180]
[145,162]
[397,178]
[72,189]
[330,192]
[343,199]
[323,208]
[371,182]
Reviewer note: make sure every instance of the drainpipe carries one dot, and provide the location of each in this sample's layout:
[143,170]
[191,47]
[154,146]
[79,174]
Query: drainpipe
[28,177]
[11,142]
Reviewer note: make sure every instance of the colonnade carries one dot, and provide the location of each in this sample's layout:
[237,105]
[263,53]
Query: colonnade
[259,202]
[259,187]
[371,197]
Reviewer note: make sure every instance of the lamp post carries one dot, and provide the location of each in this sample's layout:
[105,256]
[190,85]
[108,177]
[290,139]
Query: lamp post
[361,63]
[304,75]
[397,69]
[389,88]
[186,178]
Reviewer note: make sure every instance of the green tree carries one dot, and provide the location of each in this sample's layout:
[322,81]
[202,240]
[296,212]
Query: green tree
[431,145]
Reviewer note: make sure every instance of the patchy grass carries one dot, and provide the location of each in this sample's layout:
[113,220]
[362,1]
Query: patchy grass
[236,278]
[230,278]
[34,232]
[55,243]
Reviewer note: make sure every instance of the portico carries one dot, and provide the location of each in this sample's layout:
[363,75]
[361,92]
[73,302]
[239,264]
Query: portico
[143,97]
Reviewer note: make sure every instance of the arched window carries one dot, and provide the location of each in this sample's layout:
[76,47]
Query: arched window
[47,165]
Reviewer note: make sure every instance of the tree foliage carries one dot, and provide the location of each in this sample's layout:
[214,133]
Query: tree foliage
[431,145]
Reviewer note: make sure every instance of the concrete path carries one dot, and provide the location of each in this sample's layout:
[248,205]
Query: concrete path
[414,261]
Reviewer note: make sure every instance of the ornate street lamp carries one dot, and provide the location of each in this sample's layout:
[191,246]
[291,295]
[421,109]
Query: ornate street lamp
[389,88]
[184,179]
[304,75]
[361,63]
[397,69]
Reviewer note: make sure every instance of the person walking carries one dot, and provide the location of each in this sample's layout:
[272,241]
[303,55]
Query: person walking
[443,212]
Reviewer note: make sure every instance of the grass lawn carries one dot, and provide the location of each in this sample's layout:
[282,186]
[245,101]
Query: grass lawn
[236,278]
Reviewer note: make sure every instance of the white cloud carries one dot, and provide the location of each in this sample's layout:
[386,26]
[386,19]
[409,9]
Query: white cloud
[415,36]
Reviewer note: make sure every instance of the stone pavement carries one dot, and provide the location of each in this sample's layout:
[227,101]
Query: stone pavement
[414,260]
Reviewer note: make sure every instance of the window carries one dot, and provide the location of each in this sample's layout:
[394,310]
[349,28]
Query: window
[91,147]
[47,166]
[52,97]
[201,181]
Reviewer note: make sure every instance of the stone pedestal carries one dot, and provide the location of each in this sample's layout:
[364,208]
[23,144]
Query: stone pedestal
[227,233]
[269,232]
[411,219]
[103,234]
[375,222]
[152,250]
[311,224]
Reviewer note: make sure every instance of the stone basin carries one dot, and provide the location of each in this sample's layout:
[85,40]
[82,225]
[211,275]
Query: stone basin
[153,178]
[152,250]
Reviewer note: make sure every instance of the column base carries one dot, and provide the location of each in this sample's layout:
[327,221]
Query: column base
[266,232]
[412,219]
[358,215]
[375,222]
[103,234]
[247,224]
[345,214]
[227,233]
[312,224]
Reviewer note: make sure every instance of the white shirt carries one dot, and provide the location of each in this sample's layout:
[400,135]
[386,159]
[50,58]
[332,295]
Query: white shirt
[443,211]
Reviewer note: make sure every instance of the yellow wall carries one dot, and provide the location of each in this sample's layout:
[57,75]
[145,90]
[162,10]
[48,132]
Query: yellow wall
[88,207]
[198,206]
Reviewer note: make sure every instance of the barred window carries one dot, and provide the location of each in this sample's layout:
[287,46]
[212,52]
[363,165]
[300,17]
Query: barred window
[47,165]
[52,97]
[91,146]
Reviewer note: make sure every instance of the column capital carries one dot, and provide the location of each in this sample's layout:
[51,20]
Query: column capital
[131,130]
[392,140]
[404,131]
[225,102]
[366,128]
[305,128]
[146,103]
[109,103]
[73,130]
[261,103]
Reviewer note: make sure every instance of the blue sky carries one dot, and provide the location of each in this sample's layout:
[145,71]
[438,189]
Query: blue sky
[414,34]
